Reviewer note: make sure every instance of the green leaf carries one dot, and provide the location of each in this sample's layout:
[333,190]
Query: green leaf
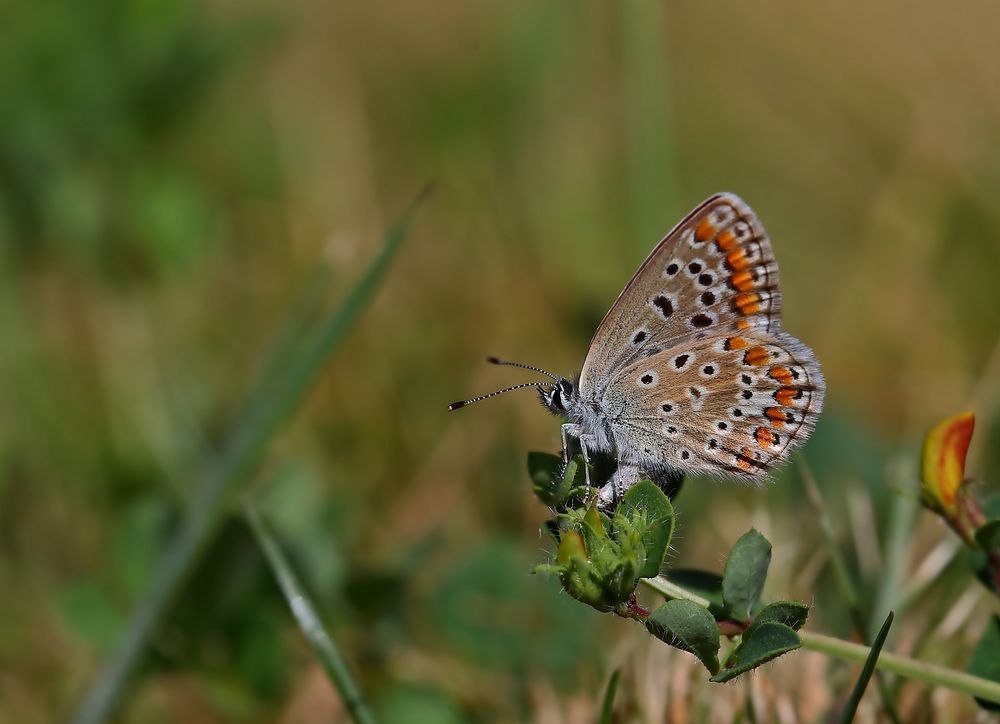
[988,535]
[847,715]
[791,613]
[746,571]
[985,662]
[646,498]
[767,641]
[689,627]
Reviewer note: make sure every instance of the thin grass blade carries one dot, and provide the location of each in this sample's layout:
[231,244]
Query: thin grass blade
[607,708]
[309,621]
[851,708]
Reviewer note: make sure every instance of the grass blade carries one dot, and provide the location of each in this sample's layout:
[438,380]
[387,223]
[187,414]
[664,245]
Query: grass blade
[282,389]
[308,620]
[851,708]
[607,708]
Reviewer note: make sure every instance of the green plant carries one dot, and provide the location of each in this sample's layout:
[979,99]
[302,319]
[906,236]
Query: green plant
[602,557]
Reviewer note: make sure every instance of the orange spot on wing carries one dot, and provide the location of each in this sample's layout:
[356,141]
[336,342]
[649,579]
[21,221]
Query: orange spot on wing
[742,281]
[775,415]
[748,302]
[726,241]
[705,230]
[743,461]
[737,259]
[736,343]
[755,356]
[765,438]
[743,324]
[785,395]
[781,374]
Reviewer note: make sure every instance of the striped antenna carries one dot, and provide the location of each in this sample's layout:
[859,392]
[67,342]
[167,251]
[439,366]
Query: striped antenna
[496,361]
[463,403]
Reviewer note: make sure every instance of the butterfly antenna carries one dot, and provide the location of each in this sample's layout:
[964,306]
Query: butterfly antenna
[463,403]
[496,361]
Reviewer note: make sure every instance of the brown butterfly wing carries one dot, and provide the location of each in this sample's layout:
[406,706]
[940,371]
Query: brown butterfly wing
[713,273]
[736,404]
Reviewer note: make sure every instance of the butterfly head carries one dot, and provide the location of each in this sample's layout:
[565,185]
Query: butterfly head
[560,397]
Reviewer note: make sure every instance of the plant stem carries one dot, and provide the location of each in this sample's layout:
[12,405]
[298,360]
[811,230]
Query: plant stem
[909,668]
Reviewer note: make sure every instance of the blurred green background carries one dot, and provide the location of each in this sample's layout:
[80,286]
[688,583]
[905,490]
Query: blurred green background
[172,175]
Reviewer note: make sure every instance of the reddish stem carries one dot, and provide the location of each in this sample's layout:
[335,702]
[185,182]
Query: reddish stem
[733,628]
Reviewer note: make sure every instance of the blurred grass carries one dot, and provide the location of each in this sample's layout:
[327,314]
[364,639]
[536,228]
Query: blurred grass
[280,391]
[170,173]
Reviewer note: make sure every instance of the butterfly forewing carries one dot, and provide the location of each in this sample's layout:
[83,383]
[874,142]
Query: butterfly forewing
[736,403]
[713,273]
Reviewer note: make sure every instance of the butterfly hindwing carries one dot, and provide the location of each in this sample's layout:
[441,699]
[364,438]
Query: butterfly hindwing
[735,404]
[713,273]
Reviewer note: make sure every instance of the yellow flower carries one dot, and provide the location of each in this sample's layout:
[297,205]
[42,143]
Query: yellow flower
[944,461]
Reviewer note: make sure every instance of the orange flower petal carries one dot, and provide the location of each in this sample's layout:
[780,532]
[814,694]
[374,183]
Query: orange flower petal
[944,459]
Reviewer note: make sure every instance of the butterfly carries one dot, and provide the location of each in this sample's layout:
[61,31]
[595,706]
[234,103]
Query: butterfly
[690,371]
